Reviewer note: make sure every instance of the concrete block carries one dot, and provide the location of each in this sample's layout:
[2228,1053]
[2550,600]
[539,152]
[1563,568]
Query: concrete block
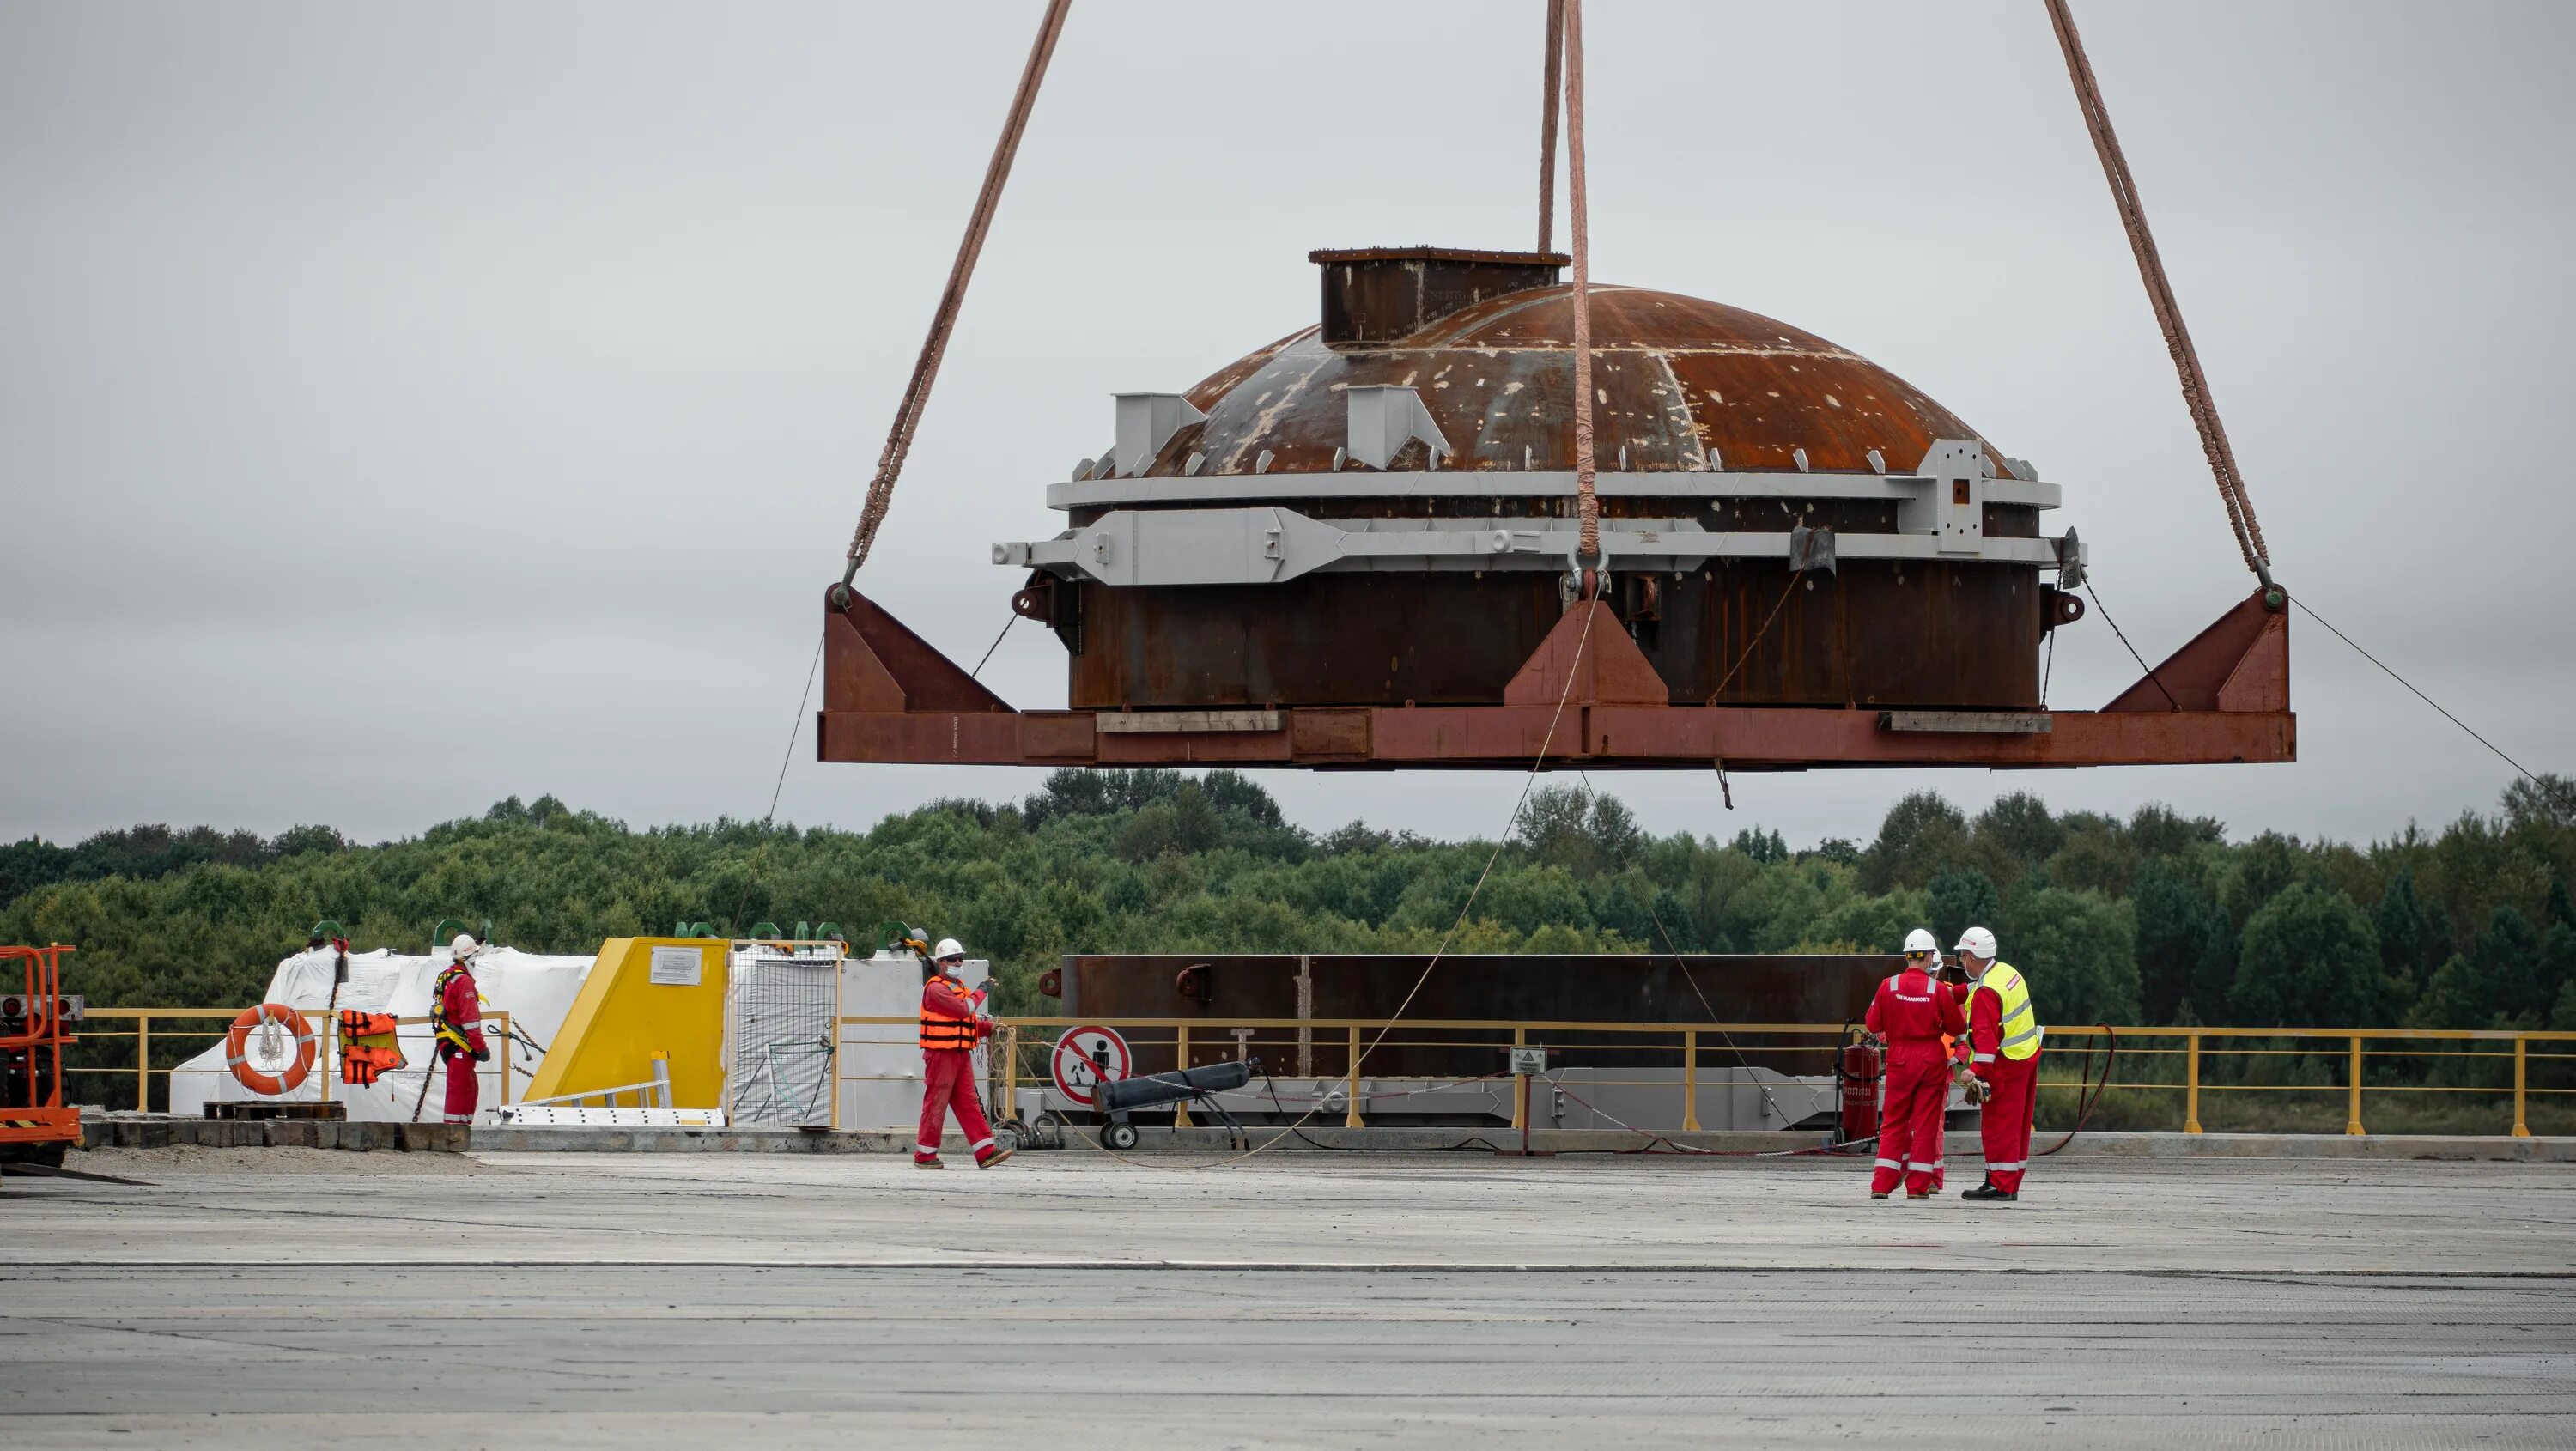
[432,1138]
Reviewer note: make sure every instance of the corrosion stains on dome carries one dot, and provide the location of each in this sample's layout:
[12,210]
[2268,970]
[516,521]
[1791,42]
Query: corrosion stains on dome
[1682,383]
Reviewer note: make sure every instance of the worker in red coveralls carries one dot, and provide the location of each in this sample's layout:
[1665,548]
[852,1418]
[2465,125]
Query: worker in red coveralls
[2003,1038]
[952,1023]
[1910,1013]
[456,1022]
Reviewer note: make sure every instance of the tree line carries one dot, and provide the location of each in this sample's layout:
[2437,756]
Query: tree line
[2157,919]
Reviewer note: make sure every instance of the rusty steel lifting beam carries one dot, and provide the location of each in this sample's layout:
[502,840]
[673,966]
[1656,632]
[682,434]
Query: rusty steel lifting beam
[2224,697]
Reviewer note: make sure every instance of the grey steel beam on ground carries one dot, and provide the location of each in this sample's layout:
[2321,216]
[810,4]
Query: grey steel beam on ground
[244,1296]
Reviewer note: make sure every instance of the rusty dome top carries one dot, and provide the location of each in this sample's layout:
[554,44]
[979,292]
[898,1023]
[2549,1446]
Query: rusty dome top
[1682,383]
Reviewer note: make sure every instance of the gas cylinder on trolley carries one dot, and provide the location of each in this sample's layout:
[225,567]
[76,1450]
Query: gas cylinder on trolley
[1857,1071]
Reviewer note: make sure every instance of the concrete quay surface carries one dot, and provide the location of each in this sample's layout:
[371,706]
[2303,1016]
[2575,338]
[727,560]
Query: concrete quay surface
[159,1131]
[241,1297]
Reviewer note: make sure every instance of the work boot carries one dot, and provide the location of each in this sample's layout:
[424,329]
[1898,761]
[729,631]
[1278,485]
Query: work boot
[1926,1194]
[991,1156]
[1988,1193]
[1878,1194]
[919,1162]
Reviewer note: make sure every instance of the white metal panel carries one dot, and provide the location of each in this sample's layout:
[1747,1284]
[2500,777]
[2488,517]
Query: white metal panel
[881,1063]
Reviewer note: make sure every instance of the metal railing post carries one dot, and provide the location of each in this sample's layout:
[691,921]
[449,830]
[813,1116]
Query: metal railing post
[1010,1070]
[1520,1100]
[2352,1124]
[1181,1064]
[331,1054]
[1351,1119]
[143,1064]
[2521,1127]
[506,1057]
[1690,1081]
[2191,1085]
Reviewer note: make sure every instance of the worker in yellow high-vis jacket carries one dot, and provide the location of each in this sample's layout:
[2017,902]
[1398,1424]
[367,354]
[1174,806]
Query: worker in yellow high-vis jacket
[2003,1040]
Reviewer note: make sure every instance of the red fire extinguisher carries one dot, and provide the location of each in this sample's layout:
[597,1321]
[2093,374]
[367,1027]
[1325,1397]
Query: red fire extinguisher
[1856,1079]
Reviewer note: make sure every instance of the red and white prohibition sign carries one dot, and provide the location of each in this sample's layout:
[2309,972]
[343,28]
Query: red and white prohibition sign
[1084,1056]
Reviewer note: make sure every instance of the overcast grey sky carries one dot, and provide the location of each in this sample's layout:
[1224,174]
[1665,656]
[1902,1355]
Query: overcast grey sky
[402,407]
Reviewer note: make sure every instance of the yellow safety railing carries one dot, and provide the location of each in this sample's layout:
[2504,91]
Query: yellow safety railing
[326,1028]
[2190,1052]
[2177,1061]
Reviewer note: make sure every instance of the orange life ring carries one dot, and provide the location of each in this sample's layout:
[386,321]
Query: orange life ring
[236,1043]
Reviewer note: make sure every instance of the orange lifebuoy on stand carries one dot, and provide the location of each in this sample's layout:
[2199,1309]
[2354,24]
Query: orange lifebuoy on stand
[236,1045]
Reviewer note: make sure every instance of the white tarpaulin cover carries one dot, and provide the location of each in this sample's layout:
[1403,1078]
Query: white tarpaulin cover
[536,991]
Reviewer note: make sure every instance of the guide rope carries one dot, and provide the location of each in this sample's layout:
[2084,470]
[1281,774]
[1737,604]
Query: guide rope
[1565,693]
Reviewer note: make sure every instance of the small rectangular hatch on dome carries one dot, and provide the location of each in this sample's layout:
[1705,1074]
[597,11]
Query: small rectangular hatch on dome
[1380,294]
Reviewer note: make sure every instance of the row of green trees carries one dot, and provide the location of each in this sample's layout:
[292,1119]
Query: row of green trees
[2155,919]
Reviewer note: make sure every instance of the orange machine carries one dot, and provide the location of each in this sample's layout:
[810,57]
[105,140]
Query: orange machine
[35,1022]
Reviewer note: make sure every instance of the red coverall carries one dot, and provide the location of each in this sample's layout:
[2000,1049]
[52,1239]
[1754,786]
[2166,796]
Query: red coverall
[950,1029]
[458,1009]
[1911,1012]
[2014,1083]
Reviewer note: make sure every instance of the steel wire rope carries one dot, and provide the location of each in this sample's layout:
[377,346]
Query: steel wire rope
[2124,642]
[2410,685]
[996,645]
[1749,645]
[795,728]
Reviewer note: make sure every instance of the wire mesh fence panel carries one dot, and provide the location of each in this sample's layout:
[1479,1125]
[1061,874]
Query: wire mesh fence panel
[779,1012]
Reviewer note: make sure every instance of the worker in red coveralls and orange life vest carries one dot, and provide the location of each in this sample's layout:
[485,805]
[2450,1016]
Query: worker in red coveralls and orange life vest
[2003,1037]
[456,1023]
[952,1023]
[1910,1013]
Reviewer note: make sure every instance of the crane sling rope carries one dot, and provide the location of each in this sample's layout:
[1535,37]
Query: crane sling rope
[943,322]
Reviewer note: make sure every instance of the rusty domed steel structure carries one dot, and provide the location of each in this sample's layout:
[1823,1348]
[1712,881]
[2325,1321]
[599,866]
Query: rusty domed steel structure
[1384,541]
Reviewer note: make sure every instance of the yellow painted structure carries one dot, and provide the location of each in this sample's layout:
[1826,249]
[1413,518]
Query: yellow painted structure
[624,1019]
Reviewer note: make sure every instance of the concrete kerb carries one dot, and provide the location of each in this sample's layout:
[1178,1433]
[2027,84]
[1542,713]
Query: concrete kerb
[161,1131]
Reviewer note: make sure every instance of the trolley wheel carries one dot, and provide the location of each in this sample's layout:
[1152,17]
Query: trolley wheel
[1121,1137]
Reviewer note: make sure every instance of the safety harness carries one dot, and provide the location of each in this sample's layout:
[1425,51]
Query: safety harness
[450,1038]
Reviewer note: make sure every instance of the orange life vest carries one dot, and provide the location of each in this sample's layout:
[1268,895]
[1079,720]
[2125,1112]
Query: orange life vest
[368,1048]
[940,1032]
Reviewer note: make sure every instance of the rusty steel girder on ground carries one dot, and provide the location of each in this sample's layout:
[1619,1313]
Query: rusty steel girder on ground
[1274,988]
[1587,697]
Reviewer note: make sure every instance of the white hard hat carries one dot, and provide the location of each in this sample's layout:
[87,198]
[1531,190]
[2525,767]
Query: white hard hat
[949,947]
[464,946]
[1921,940]
[1978,942]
